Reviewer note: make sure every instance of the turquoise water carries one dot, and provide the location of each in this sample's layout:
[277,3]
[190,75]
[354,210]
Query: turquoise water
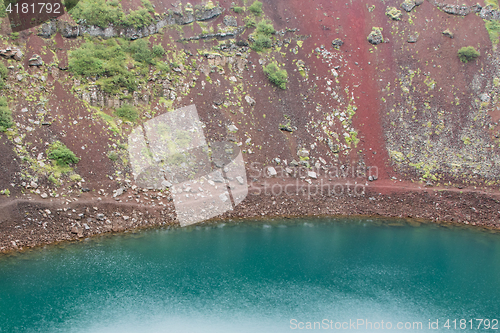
[256,277]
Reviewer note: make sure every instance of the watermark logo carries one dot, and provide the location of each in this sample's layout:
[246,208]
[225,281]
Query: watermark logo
[26,14]
[170,151]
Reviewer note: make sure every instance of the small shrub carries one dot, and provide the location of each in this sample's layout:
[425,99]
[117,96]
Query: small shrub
[61,154]
[75,177]
[277,76]
[127,112]
[140,51]
[249,22]
[113,156]
[147,4]
[262,39]
[256,8]
[69,4]
[261,42]
[468,53]
[238,10]
[3,75]
[265,27]
[138,18]
[14,35]
[97,12]
[5,115]
[158,51]
[5,192]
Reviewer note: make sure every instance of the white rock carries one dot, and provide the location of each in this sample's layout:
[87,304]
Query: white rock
[271,171]
[232,128]
[44,195]
[240,180]
[223,197]
[312,174]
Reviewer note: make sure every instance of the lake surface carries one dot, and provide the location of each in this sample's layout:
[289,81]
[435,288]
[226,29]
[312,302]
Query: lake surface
[272,276]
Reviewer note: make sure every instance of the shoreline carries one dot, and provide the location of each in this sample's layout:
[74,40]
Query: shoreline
[33,223]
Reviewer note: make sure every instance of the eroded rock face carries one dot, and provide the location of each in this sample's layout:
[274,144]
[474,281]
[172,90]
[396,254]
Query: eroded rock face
[201,13]
[11,53]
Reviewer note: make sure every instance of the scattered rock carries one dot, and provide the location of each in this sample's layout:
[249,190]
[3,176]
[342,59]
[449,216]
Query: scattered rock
[232,128]
[35,60]
[100,217]
[337,43]
[303,153]
[413,38]
[312,174]
[287,128]
[448,33]
[242,43]
[118,192]
[166,184]
[230,21]
[484,98]
[408,5]
[394,13]
[240,180]
[11,53]
[375,37]
[250,100]
[294,163]
[44,195]
[271,172]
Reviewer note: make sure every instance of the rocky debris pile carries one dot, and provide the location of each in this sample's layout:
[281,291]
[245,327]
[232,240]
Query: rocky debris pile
[35,60]
[460,10]
[448,33]
[394,13]
[11,53]
[337,43]
[375,37]
[230,21]
[489,13]
[200,13]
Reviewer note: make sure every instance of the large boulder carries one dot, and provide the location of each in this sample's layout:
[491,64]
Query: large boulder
[408,5]
[375,37]
[35,60]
